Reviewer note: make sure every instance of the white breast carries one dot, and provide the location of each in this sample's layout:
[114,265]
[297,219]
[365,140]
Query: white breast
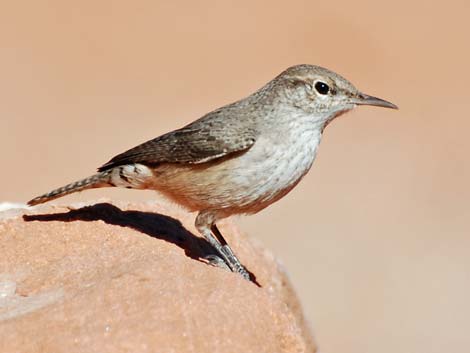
[276,163]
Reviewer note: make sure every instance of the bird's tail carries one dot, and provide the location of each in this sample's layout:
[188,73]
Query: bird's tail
[98,180]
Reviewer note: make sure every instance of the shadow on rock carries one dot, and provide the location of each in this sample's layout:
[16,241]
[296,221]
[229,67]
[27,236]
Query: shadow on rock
[153,224]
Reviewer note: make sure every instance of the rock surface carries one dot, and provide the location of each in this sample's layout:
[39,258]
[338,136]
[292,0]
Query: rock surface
[129,278]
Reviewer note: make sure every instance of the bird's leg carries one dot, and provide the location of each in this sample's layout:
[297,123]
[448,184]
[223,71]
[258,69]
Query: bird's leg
[205,224]
[234,263]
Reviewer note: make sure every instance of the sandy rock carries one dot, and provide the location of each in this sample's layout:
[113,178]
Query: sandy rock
[129,278]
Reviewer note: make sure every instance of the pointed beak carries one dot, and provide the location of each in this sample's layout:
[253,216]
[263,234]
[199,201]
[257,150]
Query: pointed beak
[364,99]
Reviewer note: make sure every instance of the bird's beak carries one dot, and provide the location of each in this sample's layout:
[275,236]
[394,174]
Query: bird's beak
[364,99]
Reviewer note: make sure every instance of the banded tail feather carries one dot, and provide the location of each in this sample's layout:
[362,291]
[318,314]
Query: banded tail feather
[95,181]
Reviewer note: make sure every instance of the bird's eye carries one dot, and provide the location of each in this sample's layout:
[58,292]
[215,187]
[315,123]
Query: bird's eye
[322,87]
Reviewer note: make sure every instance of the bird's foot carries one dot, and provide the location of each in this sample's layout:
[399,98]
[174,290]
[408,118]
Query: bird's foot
[217,261]
[228,261]
[233,262]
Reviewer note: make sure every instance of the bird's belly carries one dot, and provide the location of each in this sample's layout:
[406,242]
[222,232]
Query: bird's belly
[269,172]
[243,183]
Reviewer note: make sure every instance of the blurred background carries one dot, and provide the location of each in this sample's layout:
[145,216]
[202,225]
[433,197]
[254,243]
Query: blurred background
[376,238]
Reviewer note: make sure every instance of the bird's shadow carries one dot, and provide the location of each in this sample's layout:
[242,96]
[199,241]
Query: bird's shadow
[153,224]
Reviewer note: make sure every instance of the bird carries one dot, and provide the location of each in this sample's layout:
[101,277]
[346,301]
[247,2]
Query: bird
[238,159]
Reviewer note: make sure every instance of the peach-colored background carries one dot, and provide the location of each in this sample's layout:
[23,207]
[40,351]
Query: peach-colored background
[377,236]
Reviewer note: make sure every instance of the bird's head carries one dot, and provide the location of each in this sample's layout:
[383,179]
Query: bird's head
[321,92]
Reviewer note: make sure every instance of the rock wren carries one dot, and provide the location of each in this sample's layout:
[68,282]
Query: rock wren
[238,159]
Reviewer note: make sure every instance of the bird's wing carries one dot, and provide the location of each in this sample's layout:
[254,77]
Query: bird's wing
[204,140]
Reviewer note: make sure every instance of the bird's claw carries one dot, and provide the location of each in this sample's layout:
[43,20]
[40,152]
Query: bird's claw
[231,263]
[217,261]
